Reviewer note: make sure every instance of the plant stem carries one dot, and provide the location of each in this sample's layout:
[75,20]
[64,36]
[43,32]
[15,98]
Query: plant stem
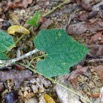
[21,36]
[36,58]
[56,82]
[58,6]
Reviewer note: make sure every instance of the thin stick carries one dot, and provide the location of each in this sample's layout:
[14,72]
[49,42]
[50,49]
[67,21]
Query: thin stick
[4,63]
[95,60]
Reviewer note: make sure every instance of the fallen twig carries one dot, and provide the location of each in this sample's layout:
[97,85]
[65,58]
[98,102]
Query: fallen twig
[5,63]
[95,60]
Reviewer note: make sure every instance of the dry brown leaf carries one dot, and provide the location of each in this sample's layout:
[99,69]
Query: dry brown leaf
[87,4]
[46,23]
[99,70]
[96,38]
[93,26]
[83,15]
[18,3]
[74,83]
[16,75]
[66,96]
[80,70]
[95,50]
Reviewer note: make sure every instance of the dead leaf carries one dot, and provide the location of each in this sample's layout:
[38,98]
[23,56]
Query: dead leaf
[83,15]
[46,23]
[95,50]
[93,26]
[74,83]
[87,4]
[99,70]
[19,67]
[96,38]
[80,70]
[48,99]
[17,29]
[16,75]
[16,4]
[66,96]
[13,18]
[25,3]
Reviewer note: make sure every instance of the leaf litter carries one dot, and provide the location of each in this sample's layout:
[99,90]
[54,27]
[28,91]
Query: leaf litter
[88,24]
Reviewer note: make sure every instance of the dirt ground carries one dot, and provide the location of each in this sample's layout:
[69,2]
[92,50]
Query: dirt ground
[82,20]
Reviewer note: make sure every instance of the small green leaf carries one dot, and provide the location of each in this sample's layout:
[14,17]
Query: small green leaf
[6,43]
[35,19]
[62,52]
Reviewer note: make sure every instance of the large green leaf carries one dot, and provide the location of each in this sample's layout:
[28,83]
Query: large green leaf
[6,43]
[62,52]
[3,56]
[35,19]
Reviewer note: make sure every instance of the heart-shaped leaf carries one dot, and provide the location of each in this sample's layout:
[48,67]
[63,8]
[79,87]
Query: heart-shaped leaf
[62,52]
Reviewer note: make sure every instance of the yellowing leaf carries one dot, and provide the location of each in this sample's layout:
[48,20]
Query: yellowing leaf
[48,99]
[17,29]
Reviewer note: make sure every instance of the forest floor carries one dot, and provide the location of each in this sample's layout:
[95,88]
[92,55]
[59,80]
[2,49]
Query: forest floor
[82,20]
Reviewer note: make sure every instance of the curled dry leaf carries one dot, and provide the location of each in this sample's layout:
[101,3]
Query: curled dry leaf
[93,25]
[17,29]
[48,99]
